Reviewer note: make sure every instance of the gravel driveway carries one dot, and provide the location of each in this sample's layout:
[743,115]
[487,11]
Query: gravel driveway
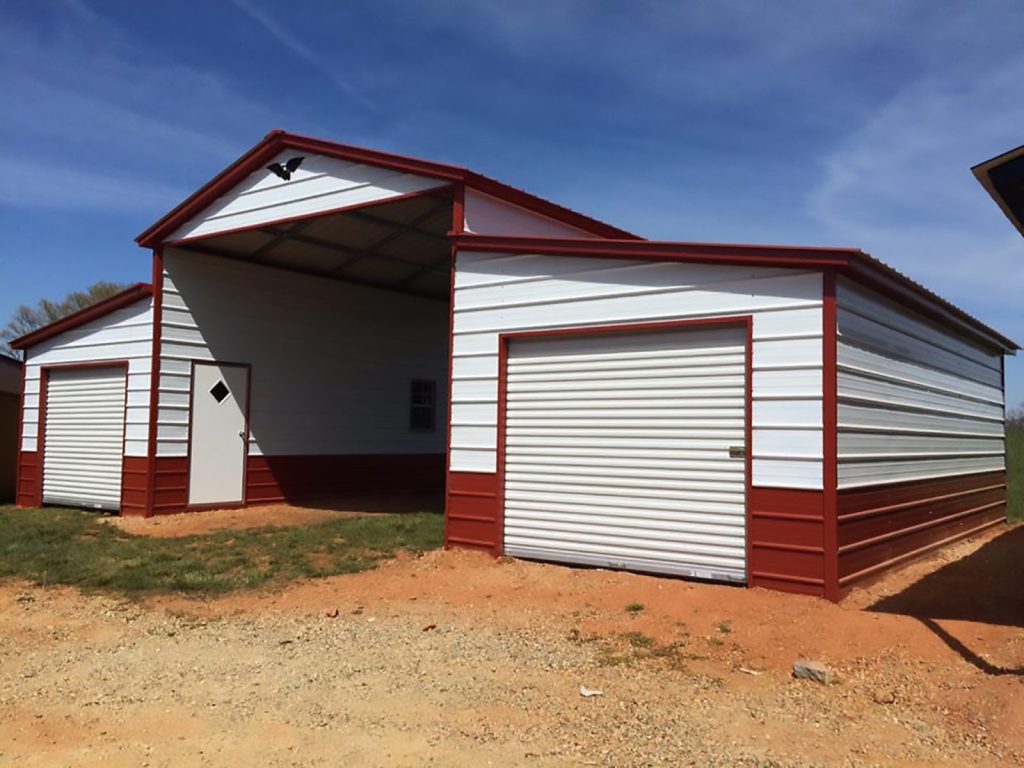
[388,668]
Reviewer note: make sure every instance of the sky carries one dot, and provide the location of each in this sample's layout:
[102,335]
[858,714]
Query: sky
[806,123]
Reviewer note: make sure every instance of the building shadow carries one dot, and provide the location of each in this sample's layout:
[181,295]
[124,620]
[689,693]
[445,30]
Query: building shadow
[986,587]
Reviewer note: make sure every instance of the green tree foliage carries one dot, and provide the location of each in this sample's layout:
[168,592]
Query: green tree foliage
[27,319]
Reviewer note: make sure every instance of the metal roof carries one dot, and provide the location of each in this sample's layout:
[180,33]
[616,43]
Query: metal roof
[1003,178]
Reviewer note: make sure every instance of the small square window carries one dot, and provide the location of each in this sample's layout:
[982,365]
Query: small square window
[219,391]
[422,405]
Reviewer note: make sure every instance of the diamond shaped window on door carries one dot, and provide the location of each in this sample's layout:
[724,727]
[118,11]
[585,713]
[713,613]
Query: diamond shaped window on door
[219,391]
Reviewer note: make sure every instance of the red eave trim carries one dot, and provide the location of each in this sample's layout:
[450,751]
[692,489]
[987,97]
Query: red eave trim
[275,141]
[767,255]
[82,316]
[850,262]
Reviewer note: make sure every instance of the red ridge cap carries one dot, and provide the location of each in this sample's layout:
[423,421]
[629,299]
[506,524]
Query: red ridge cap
[128,296]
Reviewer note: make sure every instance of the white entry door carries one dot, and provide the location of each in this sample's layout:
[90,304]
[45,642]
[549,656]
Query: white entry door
[626,450]
[219,437]
[84,437]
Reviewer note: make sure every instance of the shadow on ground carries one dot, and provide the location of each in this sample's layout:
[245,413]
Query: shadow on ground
[986,587]
[391,503]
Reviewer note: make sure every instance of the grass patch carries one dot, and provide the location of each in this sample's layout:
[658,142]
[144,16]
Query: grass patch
[1015,471]
[72,547]
[634,608]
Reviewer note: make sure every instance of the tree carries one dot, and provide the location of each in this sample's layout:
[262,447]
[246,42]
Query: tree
[27,319]
[1015,417]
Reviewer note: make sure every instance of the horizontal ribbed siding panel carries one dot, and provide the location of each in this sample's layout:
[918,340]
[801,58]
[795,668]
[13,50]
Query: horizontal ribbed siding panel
[503,293]
[914,401]
[84,446]
[126,334]
[598,492]
[869,320]
[331,362]
[320,184]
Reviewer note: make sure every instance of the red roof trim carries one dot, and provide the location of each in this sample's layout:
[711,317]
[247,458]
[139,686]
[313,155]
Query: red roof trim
[663,250]
[851,262]
[275,141]
[81,317]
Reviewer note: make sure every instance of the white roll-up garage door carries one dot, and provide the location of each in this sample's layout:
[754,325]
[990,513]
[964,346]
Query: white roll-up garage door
[625,450]
[84,437]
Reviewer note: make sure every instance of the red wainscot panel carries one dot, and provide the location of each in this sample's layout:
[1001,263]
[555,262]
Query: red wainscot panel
[30,480]
[473,519]
[285,478]
[786,540]
[883,526]
[170,485]
[134,486]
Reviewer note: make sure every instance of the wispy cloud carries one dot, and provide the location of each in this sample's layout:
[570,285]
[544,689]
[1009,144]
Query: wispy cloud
[95,118]
[29,183]
[300,49]
[899,184]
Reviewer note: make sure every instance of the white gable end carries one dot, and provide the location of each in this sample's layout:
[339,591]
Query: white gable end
[320,185]
[486,215]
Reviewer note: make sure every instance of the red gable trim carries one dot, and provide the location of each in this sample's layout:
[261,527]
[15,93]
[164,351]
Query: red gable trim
[276,141]
[81,317]
[851,262]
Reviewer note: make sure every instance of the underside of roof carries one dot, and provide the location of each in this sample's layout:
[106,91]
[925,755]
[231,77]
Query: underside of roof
[400,244]
[1003,178]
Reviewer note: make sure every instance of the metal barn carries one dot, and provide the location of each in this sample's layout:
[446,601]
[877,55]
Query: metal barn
[325,319]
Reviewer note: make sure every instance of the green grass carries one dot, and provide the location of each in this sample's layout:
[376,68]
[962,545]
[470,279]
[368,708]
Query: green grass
[1015,467]
[63,546]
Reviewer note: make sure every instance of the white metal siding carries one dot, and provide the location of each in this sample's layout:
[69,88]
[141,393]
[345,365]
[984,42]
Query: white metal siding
[617,451]
[331,362]
[915,401]
[486,215]
[320,184]
[126,334]
[500,292]
[84,446]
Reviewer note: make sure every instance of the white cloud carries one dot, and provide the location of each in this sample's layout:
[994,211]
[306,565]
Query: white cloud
[30,183]
[899,185]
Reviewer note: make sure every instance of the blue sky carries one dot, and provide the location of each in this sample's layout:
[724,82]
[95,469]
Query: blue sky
[825,123]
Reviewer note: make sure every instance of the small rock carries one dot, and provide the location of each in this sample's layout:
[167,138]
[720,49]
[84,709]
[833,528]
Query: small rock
[332,613]
[805,669]
[884,697]
[589,693]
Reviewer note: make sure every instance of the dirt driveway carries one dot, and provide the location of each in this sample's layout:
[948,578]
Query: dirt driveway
[455,659]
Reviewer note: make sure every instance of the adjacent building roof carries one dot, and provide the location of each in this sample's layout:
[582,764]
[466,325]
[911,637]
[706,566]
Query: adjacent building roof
[10,375]
[1003,178]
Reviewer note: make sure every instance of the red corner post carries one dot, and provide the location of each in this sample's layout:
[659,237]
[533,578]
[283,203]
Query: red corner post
[154,378]
[830,465]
